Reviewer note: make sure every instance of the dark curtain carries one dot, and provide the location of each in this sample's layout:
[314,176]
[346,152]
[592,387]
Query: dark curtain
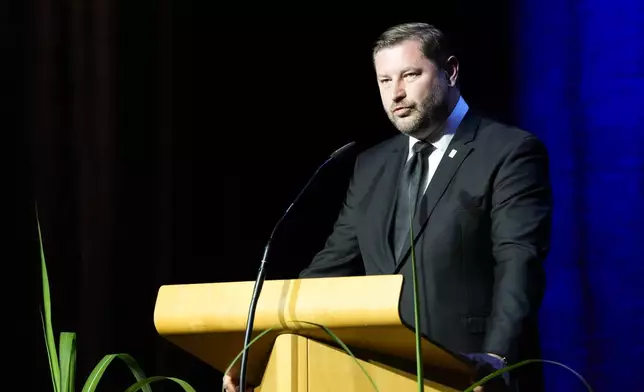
[99,148]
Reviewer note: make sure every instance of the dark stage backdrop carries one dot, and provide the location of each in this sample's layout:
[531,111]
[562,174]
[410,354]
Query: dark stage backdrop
[162,141]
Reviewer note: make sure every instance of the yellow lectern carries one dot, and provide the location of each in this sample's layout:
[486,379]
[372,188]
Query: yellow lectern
[209,320]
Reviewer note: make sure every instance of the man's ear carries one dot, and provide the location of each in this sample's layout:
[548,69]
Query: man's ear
[452,68]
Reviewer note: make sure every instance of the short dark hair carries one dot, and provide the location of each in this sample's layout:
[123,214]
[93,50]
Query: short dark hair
[432,40]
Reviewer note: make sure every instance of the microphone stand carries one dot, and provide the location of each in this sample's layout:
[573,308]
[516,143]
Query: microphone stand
[261,273]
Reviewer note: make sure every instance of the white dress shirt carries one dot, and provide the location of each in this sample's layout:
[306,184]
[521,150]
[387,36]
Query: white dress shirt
[449,128]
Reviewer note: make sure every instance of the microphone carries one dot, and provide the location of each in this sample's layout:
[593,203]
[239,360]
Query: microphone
[261,274]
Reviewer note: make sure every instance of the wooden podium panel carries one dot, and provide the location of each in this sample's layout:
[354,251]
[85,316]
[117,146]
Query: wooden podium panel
[300,364]
[287,367]
[332,369]
[208,320]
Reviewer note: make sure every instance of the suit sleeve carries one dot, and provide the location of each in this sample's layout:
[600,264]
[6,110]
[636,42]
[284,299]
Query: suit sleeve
[341,253]
[521,222]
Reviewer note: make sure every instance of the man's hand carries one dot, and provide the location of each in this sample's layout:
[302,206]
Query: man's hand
[231,384]
[231,380]
[486,364]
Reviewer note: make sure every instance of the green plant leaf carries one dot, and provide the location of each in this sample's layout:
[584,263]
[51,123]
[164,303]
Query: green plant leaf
[99,370]
[524,363]
[143,383]
[49,354]
[419,354]
[50,342]
[67,361]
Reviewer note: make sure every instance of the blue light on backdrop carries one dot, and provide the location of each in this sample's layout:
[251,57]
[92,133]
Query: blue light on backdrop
[581,83]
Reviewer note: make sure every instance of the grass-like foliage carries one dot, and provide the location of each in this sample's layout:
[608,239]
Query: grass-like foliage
[62,360]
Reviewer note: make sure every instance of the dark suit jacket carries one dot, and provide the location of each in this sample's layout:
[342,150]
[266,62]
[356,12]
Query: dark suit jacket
[482,233]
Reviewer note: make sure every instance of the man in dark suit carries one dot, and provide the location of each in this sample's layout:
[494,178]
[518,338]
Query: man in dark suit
[480,198]
[481,224]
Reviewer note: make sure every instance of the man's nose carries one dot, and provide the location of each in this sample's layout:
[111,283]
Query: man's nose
[399,93]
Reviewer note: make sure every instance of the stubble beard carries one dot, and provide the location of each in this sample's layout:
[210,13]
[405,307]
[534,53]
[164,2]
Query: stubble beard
[425,119]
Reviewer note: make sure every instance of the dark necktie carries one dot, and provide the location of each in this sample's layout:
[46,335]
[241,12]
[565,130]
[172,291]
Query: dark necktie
[410,191]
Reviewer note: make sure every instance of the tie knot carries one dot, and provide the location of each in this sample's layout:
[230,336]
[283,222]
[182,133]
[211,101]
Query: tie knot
[422,147]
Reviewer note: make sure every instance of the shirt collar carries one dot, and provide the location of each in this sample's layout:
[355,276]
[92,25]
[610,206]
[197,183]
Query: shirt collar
[449,128]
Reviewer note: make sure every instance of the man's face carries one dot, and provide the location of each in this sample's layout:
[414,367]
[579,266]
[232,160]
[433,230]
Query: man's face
[412,89]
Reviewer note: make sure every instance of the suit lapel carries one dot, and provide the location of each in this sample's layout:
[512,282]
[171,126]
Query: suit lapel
[381,206]
[456,153]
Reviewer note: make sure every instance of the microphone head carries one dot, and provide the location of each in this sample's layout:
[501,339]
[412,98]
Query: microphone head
[342,150]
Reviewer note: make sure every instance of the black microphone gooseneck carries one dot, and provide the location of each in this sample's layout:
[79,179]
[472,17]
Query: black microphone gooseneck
[261,274]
